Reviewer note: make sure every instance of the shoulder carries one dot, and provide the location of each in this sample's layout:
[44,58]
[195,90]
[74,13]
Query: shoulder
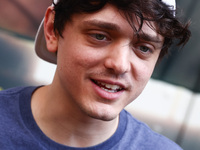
[14,105]
[11,91]
[14,91]
[12,102]
[9,98]
[141,136]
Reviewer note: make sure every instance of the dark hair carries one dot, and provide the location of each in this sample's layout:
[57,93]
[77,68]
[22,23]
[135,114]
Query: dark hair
[145,10]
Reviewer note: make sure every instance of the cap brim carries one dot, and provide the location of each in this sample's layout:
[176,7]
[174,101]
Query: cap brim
[40,46]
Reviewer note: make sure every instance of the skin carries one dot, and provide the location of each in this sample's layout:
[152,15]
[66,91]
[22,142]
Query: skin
[96,49]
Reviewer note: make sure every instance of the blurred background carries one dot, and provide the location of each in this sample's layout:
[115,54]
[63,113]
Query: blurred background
[170,104]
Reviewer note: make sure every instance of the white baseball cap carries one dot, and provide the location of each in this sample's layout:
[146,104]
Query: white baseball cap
[40,42]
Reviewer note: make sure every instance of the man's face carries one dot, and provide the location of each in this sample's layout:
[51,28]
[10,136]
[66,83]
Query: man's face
[101,65]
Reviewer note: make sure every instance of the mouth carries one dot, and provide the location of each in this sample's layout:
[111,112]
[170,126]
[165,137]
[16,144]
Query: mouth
[111,88]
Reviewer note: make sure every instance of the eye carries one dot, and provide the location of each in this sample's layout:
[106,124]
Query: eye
[99,37]
[144,49]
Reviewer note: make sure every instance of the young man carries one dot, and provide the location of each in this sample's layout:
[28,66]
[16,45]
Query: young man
[105,53]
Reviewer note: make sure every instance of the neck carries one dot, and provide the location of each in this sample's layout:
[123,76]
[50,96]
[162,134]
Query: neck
[65,125]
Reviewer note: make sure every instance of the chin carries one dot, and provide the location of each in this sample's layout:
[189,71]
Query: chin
[105,115]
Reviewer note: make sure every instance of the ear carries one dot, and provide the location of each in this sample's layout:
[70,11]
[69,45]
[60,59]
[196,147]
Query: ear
[50,35]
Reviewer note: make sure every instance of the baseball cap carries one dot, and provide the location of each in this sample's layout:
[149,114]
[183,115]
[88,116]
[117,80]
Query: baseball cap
[40,42]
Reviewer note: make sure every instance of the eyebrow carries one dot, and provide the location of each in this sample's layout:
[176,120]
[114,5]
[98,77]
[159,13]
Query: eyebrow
[113,27]
[102,25]
[148,37]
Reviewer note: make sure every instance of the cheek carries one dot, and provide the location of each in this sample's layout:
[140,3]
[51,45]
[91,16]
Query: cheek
[142,75]
[145,72]
[88,59]
[75,62]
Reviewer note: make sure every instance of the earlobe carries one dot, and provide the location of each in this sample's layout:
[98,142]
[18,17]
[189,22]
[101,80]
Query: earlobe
[50,36]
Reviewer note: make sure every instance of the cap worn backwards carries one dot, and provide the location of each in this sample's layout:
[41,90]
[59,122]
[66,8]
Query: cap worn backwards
[40,42]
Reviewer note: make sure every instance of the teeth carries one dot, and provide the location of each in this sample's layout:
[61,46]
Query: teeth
[109,87]
[111,91]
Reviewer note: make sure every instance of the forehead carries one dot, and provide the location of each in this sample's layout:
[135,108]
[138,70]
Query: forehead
[111,18]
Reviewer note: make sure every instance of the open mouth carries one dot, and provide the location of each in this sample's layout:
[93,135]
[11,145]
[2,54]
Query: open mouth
[108,87]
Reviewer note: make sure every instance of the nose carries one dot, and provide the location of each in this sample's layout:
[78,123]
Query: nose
[117,60]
